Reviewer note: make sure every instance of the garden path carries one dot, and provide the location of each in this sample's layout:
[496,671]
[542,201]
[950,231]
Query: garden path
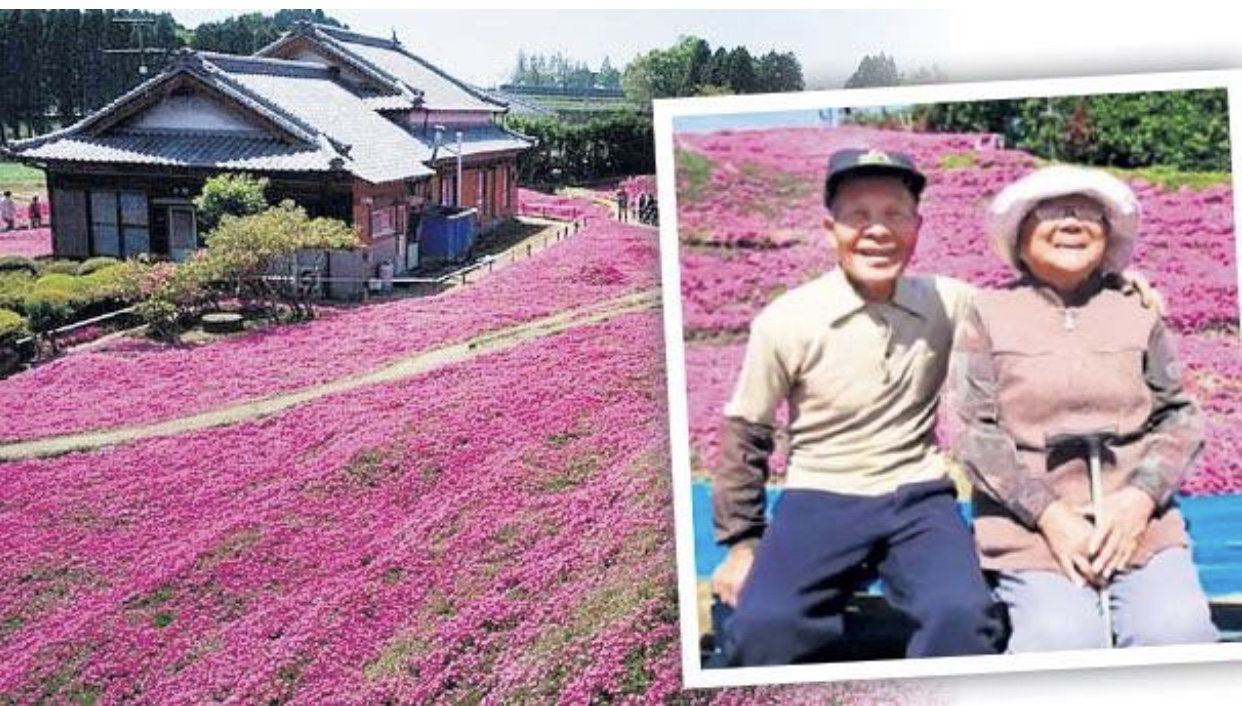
[416,364]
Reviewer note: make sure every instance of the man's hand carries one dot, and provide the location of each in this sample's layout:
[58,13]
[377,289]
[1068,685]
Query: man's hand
[1125,514]
[1068,535]
[729,576]
[1135,282]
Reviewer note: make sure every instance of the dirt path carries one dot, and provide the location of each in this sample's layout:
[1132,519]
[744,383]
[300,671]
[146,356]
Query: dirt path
[415,364]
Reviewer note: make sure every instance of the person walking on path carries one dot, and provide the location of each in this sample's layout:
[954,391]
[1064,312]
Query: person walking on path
[36,213]
[623,205]
[8,211]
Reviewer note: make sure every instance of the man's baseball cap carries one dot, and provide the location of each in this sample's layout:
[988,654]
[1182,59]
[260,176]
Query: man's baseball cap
[851,163]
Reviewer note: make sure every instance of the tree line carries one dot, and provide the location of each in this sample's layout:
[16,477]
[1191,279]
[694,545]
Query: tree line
[559,71]
[692,68]
[57,66]
[1186,130]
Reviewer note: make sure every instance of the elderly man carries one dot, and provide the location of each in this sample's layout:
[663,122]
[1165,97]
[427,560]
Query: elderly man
[859,356]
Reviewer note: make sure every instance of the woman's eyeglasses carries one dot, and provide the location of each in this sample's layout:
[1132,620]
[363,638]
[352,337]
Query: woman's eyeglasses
[1082,212]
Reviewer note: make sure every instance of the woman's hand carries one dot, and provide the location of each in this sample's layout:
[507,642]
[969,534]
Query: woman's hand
[1125,514]
[1068,535]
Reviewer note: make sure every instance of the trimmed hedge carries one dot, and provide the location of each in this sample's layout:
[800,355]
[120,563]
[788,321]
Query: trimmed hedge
[17,263]
[1186,130]
[615,144]
[12,325]
[95,264]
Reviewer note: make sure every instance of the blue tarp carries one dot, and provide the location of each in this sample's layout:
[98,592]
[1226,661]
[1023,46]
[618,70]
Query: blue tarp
[1215,524]
[447,235]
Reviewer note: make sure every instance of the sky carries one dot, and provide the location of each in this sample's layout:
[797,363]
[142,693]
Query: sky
[967,45]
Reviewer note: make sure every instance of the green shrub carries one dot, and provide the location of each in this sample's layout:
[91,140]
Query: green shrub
[95,264]
[17,263]
[229,195]
[59,267]
[15,285]
[48,309]
[1186,130]
[120,282]
[12,324]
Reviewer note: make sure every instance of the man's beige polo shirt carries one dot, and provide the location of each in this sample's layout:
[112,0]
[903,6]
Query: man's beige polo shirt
[862,380]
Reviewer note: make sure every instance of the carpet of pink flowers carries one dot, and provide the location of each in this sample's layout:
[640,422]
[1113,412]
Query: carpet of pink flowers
[753,230]
[501,528]
[26,242]
[134,382]
[496,531]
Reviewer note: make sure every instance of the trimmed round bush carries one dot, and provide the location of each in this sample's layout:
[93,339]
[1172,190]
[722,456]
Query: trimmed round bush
[96,264]
[17,263]
[12,324]
[60,267]
[15,285]
[48,309]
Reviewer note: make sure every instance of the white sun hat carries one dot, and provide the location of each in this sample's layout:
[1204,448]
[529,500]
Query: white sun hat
[1018,199]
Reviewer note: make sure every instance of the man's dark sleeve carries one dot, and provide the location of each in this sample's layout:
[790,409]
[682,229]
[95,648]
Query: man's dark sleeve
[1175,422]
[739,483]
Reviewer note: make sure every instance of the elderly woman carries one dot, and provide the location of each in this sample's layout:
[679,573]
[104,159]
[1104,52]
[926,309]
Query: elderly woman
[1062,351]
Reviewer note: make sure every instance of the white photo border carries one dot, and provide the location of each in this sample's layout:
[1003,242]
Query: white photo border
[664,113]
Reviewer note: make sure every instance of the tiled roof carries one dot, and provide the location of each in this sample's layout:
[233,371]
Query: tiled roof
[517,105]
[476,139]
[375,148]
[220,151]
[439,90]
[326,126]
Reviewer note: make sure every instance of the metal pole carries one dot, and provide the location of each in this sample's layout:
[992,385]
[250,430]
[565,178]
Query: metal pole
[459,170]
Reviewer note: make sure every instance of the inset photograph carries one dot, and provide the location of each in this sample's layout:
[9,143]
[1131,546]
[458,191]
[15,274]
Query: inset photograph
[954,374]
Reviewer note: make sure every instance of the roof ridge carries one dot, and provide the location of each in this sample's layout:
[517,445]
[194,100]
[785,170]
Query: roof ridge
[349,35]
[267,61]
[468,88]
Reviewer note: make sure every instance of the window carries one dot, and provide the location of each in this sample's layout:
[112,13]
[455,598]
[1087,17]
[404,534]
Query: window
[135,227]
[120,225]
[105,230]
[383,221]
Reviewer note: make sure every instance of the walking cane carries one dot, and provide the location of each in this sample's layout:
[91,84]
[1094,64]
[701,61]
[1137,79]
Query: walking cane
[1094,440]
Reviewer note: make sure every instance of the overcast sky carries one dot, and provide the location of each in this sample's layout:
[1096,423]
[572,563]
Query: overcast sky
[966,45]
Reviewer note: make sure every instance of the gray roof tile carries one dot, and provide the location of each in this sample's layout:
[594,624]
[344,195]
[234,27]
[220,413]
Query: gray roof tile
[440,91]
[219,151]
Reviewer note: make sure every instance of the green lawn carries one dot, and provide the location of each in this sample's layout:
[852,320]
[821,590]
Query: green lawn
[20,179]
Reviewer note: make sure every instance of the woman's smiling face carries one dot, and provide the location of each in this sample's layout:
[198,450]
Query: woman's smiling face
[1063,240]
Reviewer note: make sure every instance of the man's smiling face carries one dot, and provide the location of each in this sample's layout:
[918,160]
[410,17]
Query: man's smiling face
[874,224]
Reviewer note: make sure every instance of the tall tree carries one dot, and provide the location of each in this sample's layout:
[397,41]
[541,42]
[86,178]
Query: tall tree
[719,71]
[698,70]
[875,71]
[778,72]
[609,76]
[742,77]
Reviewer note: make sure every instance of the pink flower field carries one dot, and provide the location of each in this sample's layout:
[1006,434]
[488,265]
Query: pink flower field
[500,529]
[495,531]
[26,242]
[137,382]
[749,221]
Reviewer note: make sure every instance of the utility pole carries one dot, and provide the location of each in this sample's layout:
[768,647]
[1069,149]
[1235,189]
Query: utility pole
[139,24]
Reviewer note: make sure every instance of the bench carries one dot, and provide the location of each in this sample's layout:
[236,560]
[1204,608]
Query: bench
[876,631]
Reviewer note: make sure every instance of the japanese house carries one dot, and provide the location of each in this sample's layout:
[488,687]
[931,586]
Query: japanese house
[349,126]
